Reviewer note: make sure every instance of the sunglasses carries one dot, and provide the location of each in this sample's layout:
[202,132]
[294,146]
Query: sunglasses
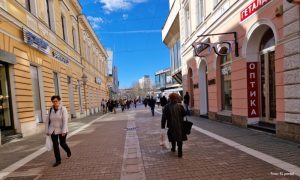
[201,47]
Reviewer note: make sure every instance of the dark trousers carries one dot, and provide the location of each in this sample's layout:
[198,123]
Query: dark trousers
[152,110]
[63,144]
[179,144]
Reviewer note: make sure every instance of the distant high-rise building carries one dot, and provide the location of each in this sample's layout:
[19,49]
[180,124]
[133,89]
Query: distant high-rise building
[145,82]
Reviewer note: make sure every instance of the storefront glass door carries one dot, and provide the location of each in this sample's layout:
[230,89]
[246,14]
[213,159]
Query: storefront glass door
[5,108]
[268,86]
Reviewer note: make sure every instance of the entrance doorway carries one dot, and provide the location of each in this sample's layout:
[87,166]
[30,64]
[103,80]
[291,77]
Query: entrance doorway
[203,88]
[267,77]
[6,122]
[36,94]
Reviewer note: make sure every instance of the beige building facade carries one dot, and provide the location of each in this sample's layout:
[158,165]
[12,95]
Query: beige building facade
[42,54]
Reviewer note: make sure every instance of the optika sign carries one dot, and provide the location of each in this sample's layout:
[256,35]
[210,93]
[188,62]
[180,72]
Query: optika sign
[252,8]
[252,88]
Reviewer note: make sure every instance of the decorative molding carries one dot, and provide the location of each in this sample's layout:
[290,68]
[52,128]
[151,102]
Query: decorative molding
[3,4]
[44,31]
[32,22]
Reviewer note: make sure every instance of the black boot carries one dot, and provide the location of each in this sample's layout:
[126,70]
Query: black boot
[173,147]
[179,144]
[56,164]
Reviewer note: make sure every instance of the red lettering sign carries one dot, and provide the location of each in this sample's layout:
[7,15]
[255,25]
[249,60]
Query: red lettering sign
[252,8]
[252,88]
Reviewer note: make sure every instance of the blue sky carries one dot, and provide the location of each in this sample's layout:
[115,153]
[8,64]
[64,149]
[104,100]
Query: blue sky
[132,29]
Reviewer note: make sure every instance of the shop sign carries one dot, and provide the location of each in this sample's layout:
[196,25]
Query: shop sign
[98,80]
[252,8]
[60,57]
[252,89]
[36,42]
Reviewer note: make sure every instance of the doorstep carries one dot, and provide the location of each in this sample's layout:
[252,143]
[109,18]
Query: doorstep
[263,126]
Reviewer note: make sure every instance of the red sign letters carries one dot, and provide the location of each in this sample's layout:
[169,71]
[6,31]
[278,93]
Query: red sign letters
[252,88]
[252,8]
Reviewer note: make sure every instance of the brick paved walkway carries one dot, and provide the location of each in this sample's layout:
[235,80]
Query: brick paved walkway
[25,146]
[98,153]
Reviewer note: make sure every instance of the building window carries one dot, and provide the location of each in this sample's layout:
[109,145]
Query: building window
[226,92]
[74,38]
[216,2]
[50,13]
[175,57]
[27,5]
[56,84]
[200,10]
[187,21]
[64,27]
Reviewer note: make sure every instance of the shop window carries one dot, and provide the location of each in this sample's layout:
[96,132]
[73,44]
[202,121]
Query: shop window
[56,83]
[226,92]
[5,109]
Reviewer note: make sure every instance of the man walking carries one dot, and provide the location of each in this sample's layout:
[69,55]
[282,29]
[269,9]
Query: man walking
[152,103]
[186,102]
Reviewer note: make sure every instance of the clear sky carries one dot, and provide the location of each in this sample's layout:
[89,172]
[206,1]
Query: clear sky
[132,29]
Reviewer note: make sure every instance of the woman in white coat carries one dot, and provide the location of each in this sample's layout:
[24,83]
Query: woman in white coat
[57,128]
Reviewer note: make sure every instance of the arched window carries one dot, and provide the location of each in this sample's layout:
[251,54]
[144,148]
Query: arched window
[268,40]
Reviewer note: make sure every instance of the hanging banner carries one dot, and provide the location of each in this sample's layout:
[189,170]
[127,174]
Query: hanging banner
[252,89]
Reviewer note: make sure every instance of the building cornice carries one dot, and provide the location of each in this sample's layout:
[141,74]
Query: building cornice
[82,18]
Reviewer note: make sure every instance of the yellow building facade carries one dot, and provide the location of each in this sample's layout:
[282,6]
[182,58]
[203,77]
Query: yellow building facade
[47,48]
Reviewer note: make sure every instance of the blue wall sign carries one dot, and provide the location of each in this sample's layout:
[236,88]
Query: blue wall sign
[36,41]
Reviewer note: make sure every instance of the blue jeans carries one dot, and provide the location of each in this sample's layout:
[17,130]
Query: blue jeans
[187,109]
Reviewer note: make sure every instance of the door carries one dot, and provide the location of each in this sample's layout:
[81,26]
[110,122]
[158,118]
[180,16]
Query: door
[36,94]
[5,104]
[268,86]
[203,89]
[71,97]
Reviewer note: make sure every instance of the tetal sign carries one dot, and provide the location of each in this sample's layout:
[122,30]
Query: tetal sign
[252,89]
[252,8]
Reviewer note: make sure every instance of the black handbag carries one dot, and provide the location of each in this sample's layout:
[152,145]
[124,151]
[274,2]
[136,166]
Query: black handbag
[187,126]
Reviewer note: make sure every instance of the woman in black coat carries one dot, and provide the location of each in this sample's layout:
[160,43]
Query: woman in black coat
[174,114]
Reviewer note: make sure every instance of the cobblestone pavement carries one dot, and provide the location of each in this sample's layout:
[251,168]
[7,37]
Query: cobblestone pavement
[21,148]
[264,142]
[98,153]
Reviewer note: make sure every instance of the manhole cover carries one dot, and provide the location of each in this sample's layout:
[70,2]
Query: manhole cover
[33,177]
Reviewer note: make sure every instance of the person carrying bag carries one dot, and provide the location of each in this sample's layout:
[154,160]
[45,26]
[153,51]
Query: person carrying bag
[57,128]
[173,115]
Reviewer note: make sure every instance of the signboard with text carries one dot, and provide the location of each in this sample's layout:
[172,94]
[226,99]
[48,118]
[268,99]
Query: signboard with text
[36,41]
[252,89]
[252,8]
